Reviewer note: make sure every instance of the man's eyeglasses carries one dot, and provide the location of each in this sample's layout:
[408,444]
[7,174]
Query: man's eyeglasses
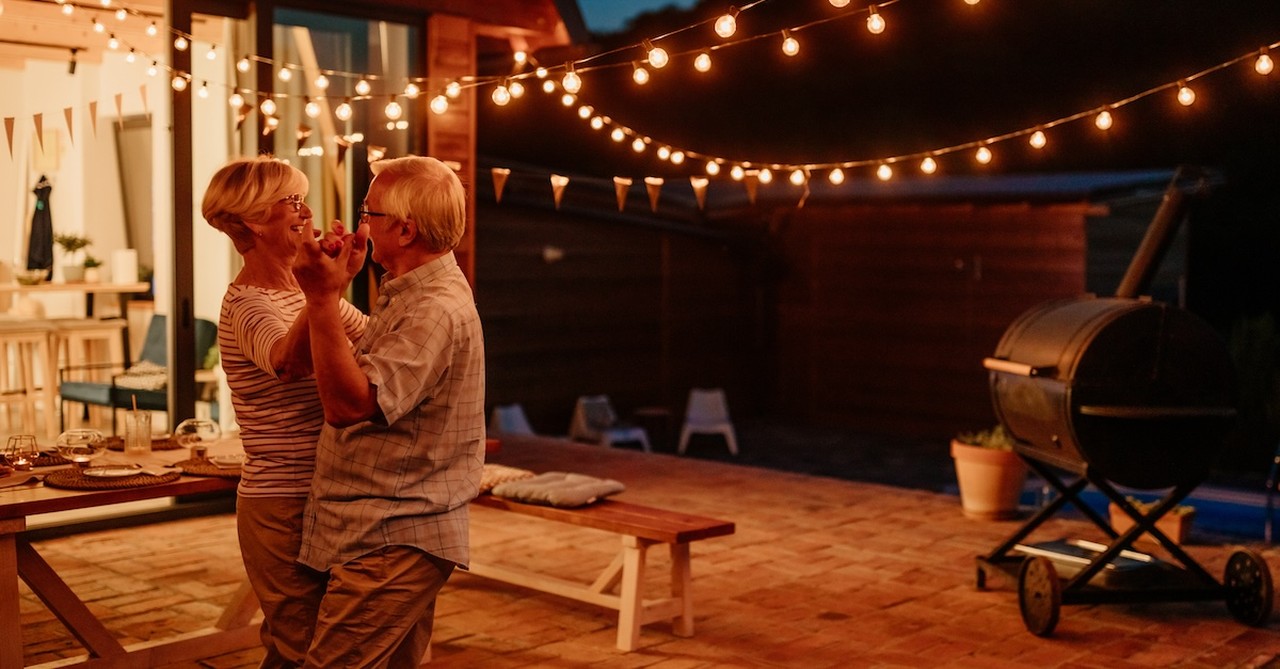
[294,201]
[364,212]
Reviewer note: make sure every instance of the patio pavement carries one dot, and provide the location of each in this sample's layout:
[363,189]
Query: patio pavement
[821,572]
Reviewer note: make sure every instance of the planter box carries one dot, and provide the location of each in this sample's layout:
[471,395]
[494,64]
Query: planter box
[1176,526]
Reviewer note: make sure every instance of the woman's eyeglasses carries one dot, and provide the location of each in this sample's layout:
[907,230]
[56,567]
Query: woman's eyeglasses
[364,212]
[294,201]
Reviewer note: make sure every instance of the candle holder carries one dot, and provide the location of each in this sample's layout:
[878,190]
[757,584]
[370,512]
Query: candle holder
[21,451]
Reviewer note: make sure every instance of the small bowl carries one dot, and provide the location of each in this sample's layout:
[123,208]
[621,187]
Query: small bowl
[30,277]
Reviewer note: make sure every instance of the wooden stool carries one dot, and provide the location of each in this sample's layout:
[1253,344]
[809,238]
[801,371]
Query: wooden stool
[94,345]
[29,344]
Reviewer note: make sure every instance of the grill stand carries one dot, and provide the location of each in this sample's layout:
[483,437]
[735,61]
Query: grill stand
[1246,588]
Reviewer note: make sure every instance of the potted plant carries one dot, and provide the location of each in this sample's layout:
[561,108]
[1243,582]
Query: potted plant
[1176,524]
[71,245]
[990,474]
[92,273]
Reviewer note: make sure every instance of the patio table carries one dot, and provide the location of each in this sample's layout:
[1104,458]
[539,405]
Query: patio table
[88,289]
[19,559]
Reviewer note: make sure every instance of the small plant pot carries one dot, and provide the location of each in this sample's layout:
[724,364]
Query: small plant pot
[1176,526]
[991,481]
[73,273]
[92,275]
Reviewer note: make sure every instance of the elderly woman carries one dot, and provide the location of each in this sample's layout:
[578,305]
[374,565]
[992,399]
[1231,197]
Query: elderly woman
[265,349]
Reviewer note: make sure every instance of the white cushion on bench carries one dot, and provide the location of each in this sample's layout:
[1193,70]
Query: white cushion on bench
[562,489]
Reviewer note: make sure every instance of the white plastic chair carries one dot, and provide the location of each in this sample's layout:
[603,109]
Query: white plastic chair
[509,419]
[595,421]
[707,413]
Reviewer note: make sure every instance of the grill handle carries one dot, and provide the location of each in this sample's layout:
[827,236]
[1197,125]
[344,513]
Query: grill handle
[1155,413]
[1017,368]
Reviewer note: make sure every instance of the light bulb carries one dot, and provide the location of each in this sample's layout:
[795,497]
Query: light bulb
[712,168]
[203,93]
[737,173]
[273,122]
[268,107]
[703,62]
[836,176]
[343,111]
[884,172]
[540,73]
[983,155]
[617,135]
[121,14]
[243,64]
[790,46]
[501,96]
[585,111]
[179,83]
[516,88]
[363,87]
[765,176]
[928,165]
[597,123]
[412,91]
[1186,96]
[521,57]
[1103,120]
[322,82]
[236,100]
[727,24]
[657,55]
[130,57]
[548,86]
[453,89]
[664,153]
[797,177]
[640,75]
[393,110]
[439,104]
[311,109]
[677,157]
[637,145]
[212,53]
[113,43]
[568,99]
[68,8]
[98,27]
[152,30]
[1264,65]
[153,69]
[180,43]
[1037,140]
[875,22]
[571,81]
[839,4]
[285,74]
[971,2]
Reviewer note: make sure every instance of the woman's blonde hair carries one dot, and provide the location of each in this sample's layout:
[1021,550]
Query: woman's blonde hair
[425,191]
[245,189]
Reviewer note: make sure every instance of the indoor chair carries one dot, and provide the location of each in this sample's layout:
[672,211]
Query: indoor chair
[594,421]
[707,413]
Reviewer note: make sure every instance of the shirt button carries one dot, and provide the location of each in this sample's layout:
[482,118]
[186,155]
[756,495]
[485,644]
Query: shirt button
[384,300]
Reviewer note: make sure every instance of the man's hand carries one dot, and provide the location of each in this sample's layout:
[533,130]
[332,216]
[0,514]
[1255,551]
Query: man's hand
[321,272]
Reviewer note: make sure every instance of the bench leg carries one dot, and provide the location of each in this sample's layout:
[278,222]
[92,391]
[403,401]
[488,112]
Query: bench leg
[633,562]
[682,589]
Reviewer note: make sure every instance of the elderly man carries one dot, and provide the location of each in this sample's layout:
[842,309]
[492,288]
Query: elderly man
[402,450]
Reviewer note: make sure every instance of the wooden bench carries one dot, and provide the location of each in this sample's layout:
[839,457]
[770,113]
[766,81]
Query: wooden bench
[640,527]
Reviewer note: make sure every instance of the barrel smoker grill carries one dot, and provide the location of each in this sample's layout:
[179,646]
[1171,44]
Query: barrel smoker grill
[1118,392]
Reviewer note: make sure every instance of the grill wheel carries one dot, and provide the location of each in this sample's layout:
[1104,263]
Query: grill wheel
[1248,584]
[1039,595]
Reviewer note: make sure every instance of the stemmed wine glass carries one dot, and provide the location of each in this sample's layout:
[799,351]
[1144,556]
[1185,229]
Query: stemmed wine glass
[81,446]
[196,434]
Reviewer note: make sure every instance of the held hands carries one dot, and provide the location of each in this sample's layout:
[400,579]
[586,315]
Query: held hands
[325,265]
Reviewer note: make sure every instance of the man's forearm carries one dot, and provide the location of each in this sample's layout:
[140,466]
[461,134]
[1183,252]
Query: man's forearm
[345,392]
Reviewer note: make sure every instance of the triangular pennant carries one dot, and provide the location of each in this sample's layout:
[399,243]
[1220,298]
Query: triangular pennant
[120,110]
[39,121]
[558,183]
[500,175]
[751,180]
[142,90]
[93,117]
[699,190]
[71,132]
[241,114]
[376,152]
[303,133]
[620,186]
[8,133]
[343,145]
[654,186]
[804,195]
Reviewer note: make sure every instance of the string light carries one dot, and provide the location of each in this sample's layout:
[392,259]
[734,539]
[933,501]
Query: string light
[393,110]
[840,4]
[712,168]
[657,55]
[153,69]
[212,53]
[548,86]
[363,87]
[501,95]
[617,135]
[983,155]
[285,74]
[151,31]
[1186,96]
[516,88]
[727,24]
[597,123]
[1037,140]
[703,62]
[521,57]
[928,165]
[584,112]
[453,89]
[412,91]
[179,83]
[68,8]
[790,46]
[571,81]
[113,43]
[765,176]
[121,14]
[180,43]
[131,57]
[540,73]
[236,100]
[737,173]
[971,2]
[439,105]
[1263,65]
[797,177]
[568,99]
[243,64]
[343,110]
[1103,120]
[268,107]
[98,27]
[875,22]
[677,157]
[836,176]
[664,153]
[322,82]
[884,172]
[311,108]
[203,93]
[640,75]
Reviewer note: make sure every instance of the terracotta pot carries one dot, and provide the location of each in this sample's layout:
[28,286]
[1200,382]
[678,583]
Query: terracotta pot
[991,481]
[1176,526]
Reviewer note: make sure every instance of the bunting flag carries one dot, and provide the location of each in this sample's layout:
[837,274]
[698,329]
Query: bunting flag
[242,114]
[654,186]
[558,183]
[343,145]
[500,175]
[700,190]
[620,186]
[8,133]
[751,179]
[303,133]
[377,152]
[93,117]
[39,121]
[804,195]
[71,133]
[120,110]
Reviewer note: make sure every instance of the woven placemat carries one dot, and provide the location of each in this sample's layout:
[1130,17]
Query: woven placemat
[73,479]
[49,460]
[202,467]
[160,444]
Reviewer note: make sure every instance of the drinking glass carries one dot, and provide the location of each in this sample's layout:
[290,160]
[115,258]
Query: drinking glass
[81,446]
[196,434]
